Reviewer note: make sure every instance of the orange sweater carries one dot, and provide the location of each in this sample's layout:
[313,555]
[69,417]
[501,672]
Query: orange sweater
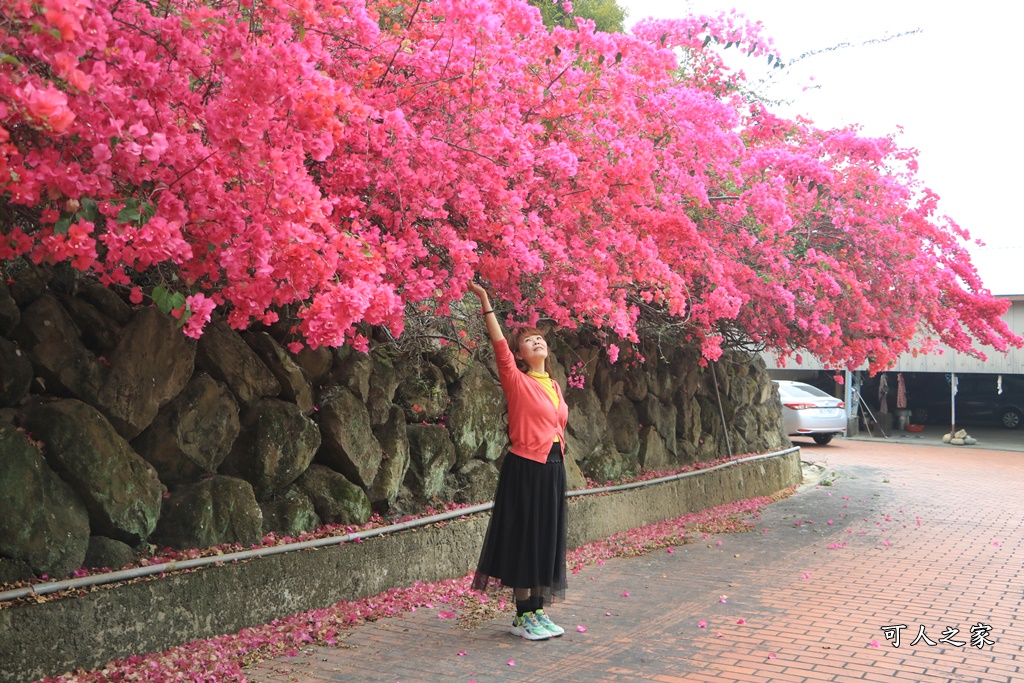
[533,420]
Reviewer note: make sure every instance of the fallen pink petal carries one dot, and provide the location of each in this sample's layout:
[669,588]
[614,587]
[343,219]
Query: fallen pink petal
[445,614]
[581,629]
[462,653]
[806,576]
[874,643]
[702,624]
[741,621]
[511,662]
[670,550]
[771,655]
[625,594]
[723,598]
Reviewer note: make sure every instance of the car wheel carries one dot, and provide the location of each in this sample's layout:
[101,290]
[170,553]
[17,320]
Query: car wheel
[1011,418]
[822,439]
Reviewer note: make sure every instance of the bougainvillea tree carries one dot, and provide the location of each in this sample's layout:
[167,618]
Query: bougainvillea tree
[344,162]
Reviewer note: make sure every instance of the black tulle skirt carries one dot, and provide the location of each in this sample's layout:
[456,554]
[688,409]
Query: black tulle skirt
[525,542]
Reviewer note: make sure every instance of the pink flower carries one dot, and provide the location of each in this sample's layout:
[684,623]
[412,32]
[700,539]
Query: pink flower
[613,353]
[771,655]
[50,106]
[670,550]
[702,624]
[874,643]
[625,594]
[445,615]
[581,629]
[156,147]
[462,653]
[511,662]
[741,621]
[723,598]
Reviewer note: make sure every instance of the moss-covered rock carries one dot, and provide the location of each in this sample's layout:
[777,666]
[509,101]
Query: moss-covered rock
[121,490]
[335,499]
[210,512]
[43,523]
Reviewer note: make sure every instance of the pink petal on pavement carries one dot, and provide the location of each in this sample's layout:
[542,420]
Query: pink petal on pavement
[581,629]
[806,576]
[511,662]
[874,643]
[445,615]
[462,653]
[741,621]
[771,655]
[625,594]
[702,624]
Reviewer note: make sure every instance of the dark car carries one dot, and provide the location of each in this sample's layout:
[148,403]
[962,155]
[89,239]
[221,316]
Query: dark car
[977,399]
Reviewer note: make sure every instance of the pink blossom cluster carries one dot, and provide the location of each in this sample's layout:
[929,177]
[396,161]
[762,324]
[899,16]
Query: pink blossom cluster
[337,162]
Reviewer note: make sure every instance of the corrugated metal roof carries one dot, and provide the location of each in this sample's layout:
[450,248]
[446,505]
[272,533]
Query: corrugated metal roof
[947,361]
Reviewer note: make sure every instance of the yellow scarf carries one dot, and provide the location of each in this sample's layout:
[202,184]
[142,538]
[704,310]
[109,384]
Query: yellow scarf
[545,381]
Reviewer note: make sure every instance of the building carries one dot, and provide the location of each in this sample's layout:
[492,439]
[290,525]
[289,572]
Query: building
[987,391]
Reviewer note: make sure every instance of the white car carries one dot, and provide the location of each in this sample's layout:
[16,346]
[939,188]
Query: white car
[809,411]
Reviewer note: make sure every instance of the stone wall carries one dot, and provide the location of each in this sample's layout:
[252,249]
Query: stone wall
[120,435]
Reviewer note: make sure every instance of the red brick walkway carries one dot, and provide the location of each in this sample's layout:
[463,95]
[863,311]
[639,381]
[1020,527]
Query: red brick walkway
[913,535]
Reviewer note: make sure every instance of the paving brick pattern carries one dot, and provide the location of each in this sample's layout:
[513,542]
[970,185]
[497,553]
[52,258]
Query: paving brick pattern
[906,534]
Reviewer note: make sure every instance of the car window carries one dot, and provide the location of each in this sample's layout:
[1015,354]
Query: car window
[802,391]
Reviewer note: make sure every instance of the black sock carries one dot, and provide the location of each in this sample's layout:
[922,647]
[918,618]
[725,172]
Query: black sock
[536,602]
[522,607]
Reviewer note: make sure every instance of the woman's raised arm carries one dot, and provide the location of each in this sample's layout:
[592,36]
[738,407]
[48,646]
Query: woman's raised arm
[493,328]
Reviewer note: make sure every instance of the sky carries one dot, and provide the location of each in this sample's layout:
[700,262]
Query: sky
[952,87]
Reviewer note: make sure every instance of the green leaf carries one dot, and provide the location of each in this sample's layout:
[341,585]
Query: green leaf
[618,57]
[128,214]
[9,59]
[62,224]
[706,41]
[88,210]
[167,301]
[770,58]
[148,211]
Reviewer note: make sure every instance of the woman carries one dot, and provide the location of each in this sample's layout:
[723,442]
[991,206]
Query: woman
[525,543]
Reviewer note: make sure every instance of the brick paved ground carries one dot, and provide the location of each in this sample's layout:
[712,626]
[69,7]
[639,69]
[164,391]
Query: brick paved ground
[919,535]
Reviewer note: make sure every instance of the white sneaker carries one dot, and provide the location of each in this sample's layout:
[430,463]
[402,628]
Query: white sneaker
[528,627]
[554,629]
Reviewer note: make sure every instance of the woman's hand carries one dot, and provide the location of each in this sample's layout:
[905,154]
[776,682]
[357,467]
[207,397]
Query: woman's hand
[480,292]
[490,319]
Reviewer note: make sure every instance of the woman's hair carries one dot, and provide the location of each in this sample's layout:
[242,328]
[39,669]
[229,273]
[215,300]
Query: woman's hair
[513,344]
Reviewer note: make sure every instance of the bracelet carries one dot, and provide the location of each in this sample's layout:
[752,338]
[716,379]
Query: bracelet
[489,310]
